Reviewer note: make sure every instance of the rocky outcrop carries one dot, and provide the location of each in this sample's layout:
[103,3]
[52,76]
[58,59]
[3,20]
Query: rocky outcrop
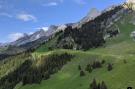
[90,16]
[91,34]
[35,36]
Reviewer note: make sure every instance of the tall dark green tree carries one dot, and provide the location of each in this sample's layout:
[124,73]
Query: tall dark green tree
[103,85]
[82,73]
[93,85]
[109,67]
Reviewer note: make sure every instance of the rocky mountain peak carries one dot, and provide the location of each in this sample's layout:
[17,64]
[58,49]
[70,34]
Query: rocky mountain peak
[93,13]
[131,3]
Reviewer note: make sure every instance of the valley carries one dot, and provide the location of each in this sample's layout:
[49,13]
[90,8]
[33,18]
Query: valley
[60,62]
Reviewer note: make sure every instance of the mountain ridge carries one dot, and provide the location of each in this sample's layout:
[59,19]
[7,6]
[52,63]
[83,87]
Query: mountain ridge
[70,35]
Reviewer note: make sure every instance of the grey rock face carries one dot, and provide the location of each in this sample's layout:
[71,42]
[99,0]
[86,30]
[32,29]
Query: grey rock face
[35,36]
[90,16]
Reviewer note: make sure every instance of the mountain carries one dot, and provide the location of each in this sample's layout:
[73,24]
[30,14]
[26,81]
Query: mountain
[83,35]
[118,50]
[21,40]
[1,44]
[29,42]
[53,29]
[77,36]
[69,36]
[90,16]
[35,36]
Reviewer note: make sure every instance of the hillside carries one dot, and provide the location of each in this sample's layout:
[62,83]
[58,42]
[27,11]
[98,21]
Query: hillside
[116,51]
[49,66]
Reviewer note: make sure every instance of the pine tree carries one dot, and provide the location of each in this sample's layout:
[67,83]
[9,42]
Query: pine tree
[103,85]
[79,67]
[124,61]
[99,86]
[82,73]
[93,85]
[109,67]
[103,61]
[88,68]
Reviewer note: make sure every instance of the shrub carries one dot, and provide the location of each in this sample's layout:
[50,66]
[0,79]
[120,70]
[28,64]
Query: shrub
[103,61]
[88,68]
[96,64]
[82,73]
[109,67]
[79,67]
[124,61]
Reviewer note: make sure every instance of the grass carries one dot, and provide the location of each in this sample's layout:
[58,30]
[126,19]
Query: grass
[68,78]
[116,50]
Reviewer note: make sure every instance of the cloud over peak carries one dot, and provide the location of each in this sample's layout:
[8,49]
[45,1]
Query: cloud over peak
[26,17]
[43,28]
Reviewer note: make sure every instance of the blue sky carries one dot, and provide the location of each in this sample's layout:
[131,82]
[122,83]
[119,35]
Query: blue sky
[25,16]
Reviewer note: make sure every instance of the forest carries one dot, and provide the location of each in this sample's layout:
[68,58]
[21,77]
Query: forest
[30,72]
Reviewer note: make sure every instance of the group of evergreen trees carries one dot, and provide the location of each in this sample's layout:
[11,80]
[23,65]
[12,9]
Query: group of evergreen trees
[95,85]
[90,67]
[96,64]
[29,73]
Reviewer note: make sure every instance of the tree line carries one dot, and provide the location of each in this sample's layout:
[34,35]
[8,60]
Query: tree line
[27,73]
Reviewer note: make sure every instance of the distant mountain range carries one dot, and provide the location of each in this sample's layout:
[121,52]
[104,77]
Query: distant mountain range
[30,42]
[53,29]
[1,44]
[37,35]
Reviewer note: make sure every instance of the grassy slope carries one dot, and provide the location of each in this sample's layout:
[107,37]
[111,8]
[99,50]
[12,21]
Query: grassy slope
[116,50]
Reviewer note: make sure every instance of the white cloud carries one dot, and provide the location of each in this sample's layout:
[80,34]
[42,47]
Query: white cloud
[51,4]
[30,33]
[26,17]
[15,36]
[6,15]
[44,28]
